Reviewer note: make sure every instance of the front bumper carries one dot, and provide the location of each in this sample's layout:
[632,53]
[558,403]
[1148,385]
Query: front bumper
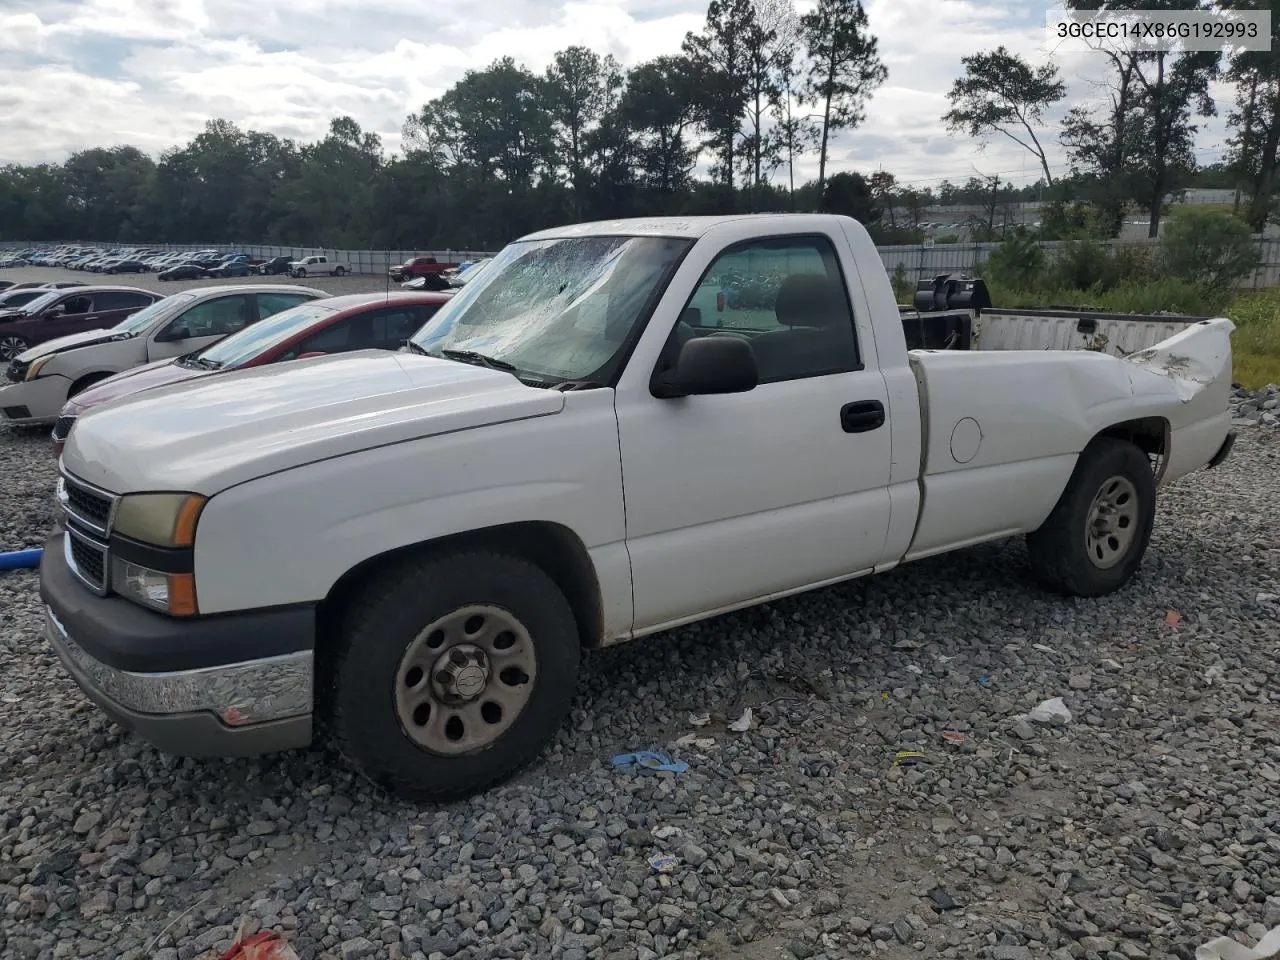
[34,402]
[137,666]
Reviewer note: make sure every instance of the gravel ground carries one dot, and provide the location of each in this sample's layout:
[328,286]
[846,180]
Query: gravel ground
[148,281]
[1145,826]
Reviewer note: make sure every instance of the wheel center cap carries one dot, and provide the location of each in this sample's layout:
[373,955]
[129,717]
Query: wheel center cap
[470,681]
[461,673]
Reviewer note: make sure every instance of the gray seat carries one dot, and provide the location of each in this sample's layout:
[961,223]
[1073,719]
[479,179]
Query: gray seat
[817,335]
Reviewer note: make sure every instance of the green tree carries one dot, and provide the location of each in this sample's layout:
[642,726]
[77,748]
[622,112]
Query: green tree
[1001,93]
[721,57]
[845,69]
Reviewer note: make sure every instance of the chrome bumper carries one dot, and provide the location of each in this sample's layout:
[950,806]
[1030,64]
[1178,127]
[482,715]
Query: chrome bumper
[237,694]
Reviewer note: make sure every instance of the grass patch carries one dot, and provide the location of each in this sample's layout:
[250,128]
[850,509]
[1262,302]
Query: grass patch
[1255,346]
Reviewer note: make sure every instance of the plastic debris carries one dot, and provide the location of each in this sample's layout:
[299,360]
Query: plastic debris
[1172,619]
[743,723]
[664,863]
[1043,648]
[693,740]
[266,945]
[1224,948]
[649,760]
[909,758]
[1050,711]
[666,833]
[954,736]
[699,719]
[1214,673]
[985,681]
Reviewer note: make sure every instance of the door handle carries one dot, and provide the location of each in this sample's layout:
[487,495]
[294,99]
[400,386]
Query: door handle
[862,416]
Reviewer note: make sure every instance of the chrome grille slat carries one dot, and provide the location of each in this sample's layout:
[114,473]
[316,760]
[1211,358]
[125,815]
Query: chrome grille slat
[87,505]
[87,558]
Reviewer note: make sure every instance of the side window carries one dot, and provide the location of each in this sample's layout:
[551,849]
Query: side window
[787,296]
[76,305]
[341,336]
[269,303]
[215,318]
[392,327]
[120,300]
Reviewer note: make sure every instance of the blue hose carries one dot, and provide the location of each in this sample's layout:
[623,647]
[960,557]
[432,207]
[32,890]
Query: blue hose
[21,559]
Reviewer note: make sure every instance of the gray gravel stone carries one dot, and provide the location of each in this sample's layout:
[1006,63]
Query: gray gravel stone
[1148,823]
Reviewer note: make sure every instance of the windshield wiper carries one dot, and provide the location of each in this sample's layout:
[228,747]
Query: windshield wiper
[479,359]
[414,348]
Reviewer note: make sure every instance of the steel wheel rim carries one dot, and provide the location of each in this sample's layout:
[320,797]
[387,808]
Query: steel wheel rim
[465,679]
[10,347]
[1112,522]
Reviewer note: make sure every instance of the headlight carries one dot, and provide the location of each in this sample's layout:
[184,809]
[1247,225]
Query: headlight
[171,593]
[36,364]
[159,519]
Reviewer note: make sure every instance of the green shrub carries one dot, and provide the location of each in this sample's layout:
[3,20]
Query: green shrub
[1018,262]
[1208,247]
[947,238]
[902,287]
[1082,265]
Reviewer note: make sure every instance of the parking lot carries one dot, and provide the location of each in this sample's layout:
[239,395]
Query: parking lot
[1145,826]
[149,281]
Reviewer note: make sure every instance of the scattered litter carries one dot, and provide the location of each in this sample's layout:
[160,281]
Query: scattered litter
[264,945]
[1044,648]
[943,900]
[1224,948]
[666,833]
[918,671]
[954,736]
[909,758]
[1172,619]
[648,760]
[906,645]
[699,719]
[946,659]
[884,695]
[1051,711]
[1214,674]
[663,863]
[743,723]
[985,681]
[10,698]
[1111,665]
[693,740]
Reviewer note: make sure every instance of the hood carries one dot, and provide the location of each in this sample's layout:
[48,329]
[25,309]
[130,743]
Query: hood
[71,342]
[155,374]
[11,314]
[243,424]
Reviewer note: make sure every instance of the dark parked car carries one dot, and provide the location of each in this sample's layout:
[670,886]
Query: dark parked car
[126,266]
[274,266]
[184,271]
[56,313]
[235,268]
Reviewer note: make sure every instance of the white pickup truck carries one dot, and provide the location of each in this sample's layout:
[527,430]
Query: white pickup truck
[317,264]
[583,447]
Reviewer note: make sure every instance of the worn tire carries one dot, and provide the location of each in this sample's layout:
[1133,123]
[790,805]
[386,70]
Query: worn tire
[339,272]
[1059,551]
[359,676]
[300,274]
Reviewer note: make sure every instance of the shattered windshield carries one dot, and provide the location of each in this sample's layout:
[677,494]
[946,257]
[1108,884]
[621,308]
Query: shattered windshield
[554,310]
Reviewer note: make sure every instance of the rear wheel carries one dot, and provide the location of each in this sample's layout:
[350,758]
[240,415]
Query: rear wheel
[451,673]
[1095,538]
[339,271]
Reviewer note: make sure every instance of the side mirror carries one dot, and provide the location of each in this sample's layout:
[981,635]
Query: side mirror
[173,334]
[708,365]
[311,353]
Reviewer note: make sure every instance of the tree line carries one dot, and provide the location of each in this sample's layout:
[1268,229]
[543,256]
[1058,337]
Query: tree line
[507,150]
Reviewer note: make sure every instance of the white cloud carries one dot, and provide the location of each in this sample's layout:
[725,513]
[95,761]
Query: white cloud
[81,73]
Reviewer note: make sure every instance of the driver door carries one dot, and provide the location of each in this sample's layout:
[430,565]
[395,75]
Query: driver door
[736,498]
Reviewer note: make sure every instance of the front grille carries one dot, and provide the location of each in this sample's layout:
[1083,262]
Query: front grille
[88,560]
[92,508]
[62,428]
[18,370]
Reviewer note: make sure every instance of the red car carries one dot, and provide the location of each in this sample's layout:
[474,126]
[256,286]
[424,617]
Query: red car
[332,325]
[418,267]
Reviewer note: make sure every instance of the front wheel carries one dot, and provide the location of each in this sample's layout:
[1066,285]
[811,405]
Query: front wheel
[299,273]
[1095,538]
[451,673]
[12,346]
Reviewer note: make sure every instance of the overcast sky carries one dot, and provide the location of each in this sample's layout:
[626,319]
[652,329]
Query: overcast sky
[82,73]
